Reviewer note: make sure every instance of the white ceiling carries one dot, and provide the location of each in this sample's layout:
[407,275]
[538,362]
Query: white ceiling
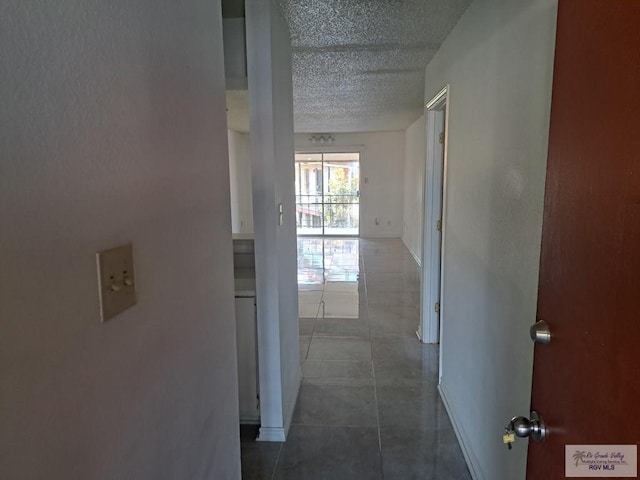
[358,65]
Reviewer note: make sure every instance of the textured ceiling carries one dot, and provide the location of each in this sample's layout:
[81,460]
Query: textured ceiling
[358,65]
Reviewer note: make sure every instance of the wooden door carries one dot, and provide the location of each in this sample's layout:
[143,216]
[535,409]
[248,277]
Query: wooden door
[586,383]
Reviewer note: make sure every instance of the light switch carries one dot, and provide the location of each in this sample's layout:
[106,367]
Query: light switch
[116,280]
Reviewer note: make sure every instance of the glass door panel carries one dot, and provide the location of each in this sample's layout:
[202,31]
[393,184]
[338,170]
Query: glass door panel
[308,185]
[341,193]
[327,193]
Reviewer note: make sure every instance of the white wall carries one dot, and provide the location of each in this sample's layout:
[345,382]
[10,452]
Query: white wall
[415,151]
[272,156]
[381,178]
[240,176]
[498,60]
[113,130]
[286,233]
[235,53]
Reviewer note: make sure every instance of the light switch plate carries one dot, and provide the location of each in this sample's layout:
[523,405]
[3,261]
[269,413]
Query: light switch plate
[116,280]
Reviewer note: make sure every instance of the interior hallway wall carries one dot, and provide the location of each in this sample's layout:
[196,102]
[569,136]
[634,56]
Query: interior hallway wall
[381,177]
[240,178]
[272,156]
[114,131]
[415,152]
[499,61]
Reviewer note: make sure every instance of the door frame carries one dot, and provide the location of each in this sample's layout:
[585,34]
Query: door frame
[359,149]
[434,209]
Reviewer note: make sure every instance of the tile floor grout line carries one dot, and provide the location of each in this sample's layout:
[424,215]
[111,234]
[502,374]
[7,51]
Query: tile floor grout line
[373,371]
[275,466]
[339,360]
[324,425]
[343,336]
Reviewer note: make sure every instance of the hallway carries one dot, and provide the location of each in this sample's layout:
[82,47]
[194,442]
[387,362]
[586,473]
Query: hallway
[368,406]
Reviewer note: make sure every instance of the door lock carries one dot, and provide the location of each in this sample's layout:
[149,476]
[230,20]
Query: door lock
[524,427]
[540,333]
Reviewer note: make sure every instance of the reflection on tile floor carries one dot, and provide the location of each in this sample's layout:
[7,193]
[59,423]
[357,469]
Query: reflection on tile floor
[368,406]
[328,278]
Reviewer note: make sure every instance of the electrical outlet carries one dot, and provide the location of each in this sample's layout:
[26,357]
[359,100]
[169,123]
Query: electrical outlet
[116,280]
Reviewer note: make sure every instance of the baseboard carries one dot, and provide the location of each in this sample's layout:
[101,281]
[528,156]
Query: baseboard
[279,434]
[465,444]
[271,434]
[415,257]
[249,420]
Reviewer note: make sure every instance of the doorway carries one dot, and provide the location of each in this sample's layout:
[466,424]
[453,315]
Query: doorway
[431,308]
[327,187]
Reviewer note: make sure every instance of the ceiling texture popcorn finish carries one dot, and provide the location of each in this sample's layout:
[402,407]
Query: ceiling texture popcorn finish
[358,65]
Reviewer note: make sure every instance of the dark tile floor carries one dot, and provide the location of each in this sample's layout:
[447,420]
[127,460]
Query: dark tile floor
[368,406]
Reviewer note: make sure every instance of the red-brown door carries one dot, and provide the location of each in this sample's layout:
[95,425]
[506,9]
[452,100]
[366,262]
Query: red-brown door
[586,382]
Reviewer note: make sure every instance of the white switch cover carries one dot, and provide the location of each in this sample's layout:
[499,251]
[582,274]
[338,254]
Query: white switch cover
[116,280]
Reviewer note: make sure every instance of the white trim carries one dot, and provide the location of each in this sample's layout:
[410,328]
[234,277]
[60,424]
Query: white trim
[415,257]
[438,100]
[434,210]
[250,420]
[271,434]
[279,434]
[465,445]
[445,162]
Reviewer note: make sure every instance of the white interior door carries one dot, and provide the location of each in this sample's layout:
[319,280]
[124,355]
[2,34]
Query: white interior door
[434,225]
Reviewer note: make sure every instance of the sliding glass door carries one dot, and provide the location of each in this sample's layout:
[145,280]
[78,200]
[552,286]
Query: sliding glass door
[327,193]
